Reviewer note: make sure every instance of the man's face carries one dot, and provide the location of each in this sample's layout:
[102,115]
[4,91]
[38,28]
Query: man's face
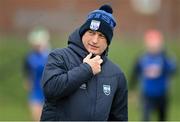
[153,42]
[95,42]
[39,47]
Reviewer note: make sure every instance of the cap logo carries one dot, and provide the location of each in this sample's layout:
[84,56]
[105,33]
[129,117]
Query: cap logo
[95,25]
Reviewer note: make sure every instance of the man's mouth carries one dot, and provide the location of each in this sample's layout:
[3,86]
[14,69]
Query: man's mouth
[93,47]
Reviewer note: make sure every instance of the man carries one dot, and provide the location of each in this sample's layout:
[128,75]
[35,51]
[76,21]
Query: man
[80,82]
[153,69]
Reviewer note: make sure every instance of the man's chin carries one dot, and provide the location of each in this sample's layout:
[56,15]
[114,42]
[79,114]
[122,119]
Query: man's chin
[93,52]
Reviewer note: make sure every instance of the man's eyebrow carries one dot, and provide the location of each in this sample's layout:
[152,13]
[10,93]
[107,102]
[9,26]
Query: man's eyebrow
[101,34]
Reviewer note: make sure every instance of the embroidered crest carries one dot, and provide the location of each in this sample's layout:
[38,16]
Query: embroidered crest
[95,25]
[107,89]
[83,86]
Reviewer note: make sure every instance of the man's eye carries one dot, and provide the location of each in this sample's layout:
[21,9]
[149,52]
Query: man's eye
[101,36]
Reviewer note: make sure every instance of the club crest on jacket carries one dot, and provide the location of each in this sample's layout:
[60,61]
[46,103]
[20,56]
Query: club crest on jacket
[107,89]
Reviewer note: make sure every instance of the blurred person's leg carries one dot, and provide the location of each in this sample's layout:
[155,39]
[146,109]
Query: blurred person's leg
[36,109]
[147,103]
[162,108]
[36,105]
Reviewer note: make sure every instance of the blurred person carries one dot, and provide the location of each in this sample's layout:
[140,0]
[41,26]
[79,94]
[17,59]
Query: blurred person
[33,68]
[154,69]
[79,81]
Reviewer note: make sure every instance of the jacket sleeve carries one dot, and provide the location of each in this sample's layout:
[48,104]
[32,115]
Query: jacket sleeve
[134,76]
[26,69]
[170,65]
[119,108]
[58,82]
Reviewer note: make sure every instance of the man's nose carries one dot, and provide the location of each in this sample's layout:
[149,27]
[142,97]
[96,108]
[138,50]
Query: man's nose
[95,38]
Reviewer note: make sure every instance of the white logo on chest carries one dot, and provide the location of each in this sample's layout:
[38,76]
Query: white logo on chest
[153,71]
[107,89]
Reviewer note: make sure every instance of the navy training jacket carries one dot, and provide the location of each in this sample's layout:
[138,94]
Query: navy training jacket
[72,92]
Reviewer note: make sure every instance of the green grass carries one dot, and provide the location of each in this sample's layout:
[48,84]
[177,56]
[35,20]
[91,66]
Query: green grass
[13,97]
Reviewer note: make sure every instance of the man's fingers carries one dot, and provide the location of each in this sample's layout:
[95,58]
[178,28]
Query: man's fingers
[100,61]
[89,56]
[97,57]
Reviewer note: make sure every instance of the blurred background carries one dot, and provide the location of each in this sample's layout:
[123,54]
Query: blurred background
[61,17]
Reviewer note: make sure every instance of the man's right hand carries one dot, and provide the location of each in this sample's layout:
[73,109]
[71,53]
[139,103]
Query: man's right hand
[95,63]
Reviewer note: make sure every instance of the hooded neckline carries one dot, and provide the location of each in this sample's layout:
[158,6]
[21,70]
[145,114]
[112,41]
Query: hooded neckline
[75,43]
